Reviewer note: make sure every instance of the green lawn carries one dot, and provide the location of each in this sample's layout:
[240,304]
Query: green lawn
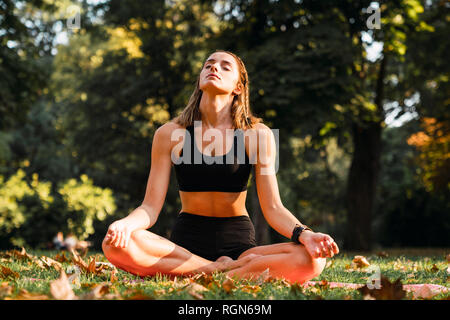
[30,278]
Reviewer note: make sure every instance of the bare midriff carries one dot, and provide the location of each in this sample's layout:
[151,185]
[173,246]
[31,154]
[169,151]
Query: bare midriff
[214,203]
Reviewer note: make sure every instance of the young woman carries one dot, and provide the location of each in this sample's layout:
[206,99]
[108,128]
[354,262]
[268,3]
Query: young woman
[213,231]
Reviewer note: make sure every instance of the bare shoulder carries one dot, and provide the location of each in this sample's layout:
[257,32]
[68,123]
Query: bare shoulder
[167,133]
[167,129]
[263,132]
[261,127]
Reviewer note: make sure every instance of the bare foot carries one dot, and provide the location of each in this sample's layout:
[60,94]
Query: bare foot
[226,263]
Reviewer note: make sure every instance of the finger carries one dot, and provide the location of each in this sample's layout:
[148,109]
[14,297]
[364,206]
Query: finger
[127,239]
[317,253]
[108,238]
[325,249]
[117,240]
[124,239]
[335,248]
[112,233]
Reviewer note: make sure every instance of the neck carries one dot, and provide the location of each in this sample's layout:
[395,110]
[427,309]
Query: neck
[216,110]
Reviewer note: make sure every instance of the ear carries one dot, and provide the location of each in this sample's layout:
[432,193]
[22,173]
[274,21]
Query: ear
[238,89]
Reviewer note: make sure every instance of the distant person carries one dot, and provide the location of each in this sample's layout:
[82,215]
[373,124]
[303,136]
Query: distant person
[71,242]
[213,231]
[58,241]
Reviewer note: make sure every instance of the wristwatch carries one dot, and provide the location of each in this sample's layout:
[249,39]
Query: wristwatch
[297,231]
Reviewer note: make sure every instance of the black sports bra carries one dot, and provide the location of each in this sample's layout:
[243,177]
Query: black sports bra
[212,173]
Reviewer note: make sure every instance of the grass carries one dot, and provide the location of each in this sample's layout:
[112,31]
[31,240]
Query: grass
[411,266]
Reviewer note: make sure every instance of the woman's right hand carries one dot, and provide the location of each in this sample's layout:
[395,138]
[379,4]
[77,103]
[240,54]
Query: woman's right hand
[118,234]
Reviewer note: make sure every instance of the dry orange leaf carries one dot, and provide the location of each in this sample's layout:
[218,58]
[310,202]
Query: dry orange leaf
[88,268]
[388,290]
[61,289]
[114,276]
[361,261]
[99,291]
[228,285]
[61,257]
[5,289]
[7,273]
[49,262]
[250,288]
[195,289]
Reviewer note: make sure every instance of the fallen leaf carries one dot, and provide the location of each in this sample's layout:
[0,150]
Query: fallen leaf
[7,273]
[5,289]
[360,261]
[113,276]
[324,284]
[61,257]
[329,263]
[92,267]
[195,290]
[99,291]
[61,289]
[434,268]
[78,260]
[206,280]
[388,290]
[250,288]
[228,285]
[49,262]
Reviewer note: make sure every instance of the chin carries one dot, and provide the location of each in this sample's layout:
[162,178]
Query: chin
[213,89]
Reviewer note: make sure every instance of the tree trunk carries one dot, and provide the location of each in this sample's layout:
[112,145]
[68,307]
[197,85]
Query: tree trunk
[363,174]
[260,223]
[361,186]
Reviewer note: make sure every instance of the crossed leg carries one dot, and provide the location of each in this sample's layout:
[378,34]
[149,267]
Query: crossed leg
[284,260]
[148,254]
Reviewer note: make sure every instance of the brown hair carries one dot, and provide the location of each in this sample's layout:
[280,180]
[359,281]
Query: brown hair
[241,114]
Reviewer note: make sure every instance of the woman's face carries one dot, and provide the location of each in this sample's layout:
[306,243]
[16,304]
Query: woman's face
[225,67]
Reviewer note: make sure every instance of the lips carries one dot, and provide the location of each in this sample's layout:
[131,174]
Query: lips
[213,74]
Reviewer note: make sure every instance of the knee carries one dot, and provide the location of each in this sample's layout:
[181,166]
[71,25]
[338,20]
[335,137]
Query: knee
[317,265]
[138,235]
[112,253]
[311,267]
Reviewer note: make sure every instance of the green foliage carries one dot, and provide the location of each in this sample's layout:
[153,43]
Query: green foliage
[403,203]
[31,212]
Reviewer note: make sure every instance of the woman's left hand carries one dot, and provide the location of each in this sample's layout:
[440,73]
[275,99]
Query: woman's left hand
[318,245]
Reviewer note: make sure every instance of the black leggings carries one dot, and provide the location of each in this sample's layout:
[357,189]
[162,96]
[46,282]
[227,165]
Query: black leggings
[213,237]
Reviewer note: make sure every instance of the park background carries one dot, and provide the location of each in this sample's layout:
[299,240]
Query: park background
[362,112]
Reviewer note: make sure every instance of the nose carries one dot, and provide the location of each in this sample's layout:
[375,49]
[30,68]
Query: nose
[213,67]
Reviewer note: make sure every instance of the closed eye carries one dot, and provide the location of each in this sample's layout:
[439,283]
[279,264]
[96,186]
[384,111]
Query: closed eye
[224,68]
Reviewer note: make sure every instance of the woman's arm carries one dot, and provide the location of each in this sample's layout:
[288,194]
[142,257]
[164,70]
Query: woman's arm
[145,216]
[277,216]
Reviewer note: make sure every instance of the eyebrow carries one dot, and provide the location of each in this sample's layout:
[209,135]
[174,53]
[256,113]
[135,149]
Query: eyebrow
[225,61]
